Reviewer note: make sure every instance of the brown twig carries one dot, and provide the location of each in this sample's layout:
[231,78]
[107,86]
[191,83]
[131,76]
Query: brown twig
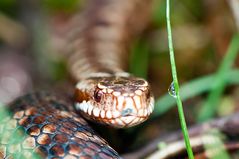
[227,125]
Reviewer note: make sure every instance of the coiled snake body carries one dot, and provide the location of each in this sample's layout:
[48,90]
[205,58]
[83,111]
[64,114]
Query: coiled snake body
[98,41]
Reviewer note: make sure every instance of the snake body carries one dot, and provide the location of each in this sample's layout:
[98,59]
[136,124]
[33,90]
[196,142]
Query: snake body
[98,42]
[44,125]
[97,55]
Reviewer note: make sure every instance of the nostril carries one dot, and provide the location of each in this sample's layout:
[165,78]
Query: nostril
[126,112]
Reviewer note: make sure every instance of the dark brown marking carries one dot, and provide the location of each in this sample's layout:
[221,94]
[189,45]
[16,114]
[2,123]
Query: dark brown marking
[74,149]
[39,119]
[44,139]
[60,138]
[33,131]
[49,128]
[57,150]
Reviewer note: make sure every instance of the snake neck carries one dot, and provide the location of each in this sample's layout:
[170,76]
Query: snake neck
[100,36]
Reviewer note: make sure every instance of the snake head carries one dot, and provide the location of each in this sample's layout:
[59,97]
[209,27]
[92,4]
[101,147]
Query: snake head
[116,101]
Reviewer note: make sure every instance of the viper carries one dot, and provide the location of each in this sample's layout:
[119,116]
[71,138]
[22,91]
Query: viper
[98,41]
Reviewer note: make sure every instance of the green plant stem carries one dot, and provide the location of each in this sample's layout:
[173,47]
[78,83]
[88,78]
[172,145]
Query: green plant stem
[199,85]
[176,85]
[219,82]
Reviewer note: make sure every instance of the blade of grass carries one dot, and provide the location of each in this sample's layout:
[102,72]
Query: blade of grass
[138,64]
[191,89]
[214,146]
[218,85]
[176,85]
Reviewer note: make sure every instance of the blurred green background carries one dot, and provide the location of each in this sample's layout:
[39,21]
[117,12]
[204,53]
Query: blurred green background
[205,42]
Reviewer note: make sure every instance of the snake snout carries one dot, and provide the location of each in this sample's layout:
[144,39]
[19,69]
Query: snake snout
[116,101]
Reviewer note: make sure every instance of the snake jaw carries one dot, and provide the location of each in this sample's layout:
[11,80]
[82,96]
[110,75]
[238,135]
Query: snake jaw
[116,101]
[115,119]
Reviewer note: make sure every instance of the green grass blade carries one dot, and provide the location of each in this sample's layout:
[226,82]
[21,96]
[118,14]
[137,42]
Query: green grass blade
[214,145]
[218,83]
[138,64]
[192,89]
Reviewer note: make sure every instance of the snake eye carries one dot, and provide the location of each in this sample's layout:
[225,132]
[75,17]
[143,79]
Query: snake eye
[97,95]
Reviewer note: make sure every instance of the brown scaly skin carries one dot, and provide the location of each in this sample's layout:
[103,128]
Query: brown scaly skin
[98,53]
[46,124]
[100,36]
[98,42]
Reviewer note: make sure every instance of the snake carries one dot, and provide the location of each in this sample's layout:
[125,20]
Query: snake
[54,126]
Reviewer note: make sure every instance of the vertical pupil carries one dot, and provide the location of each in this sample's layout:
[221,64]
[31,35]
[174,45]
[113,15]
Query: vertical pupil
[97,96]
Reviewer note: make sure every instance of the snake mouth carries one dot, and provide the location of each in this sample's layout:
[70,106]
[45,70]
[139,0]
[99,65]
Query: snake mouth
[119,119]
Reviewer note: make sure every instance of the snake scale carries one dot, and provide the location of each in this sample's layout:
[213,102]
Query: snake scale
[51,126]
